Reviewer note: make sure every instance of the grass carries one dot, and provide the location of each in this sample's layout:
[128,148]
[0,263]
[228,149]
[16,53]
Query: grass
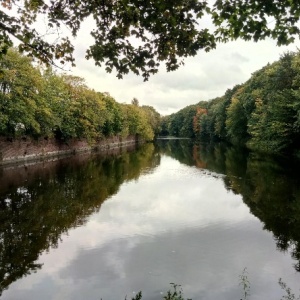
[176,293]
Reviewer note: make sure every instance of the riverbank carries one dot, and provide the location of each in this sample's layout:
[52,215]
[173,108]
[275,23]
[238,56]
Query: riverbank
[28,149]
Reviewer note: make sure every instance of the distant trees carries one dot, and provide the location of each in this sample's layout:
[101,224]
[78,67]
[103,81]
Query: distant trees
[41,103]
[136,121]
[180,123]
[153,118]
[236,121]
[263,113]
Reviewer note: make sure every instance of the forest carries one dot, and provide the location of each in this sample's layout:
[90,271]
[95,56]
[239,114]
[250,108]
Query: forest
[262,114]
[38,102]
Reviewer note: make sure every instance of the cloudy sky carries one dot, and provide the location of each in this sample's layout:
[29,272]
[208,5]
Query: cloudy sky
[203,77]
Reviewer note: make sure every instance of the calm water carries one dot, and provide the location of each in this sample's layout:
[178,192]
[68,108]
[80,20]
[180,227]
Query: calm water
[93,227]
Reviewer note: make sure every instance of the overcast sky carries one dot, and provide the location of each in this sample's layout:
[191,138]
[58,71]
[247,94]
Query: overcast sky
[203,77]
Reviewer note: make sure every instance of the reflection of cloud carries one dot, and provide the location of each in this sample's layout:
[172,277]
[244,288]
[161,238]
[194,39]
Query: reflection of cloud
[174,225]
[206,261]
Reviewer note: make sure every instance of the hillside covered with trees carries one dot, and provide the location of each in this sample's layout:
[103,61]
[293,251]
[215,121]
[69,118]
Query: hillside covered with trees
[39,103]
[262,114]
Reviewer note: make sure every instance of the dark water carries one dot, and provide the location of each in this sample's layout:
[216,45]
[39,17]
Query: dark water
[92,227]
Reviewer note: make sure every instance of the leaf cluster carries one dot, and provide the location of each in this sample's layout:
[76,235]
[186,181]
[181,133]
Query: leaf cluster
[137,36]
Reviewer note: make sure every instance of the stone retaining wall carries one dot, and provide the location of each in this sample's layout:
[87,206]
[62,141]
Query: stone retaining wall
[26,149]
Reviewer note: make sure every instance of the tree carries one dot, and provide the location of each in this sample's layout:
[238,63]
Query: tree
[196,119]
[113,124]
[20,84]
[137,122]
[236,122]
[136,36]
[154,118]
[135,102]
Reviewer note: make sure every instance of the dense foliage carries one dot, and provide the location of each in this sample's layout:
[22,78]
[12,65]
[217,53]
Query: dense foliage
[136,36]
[41,103]
[263,113]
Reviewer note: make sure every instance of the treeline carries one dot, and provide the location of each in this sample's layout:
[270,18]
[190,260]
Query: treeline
[263,113]
[40,103]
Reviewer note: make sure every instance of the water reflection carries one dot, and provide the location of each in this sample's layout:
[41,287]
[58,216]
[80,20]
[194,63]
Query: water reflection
[269,185]
[175,214]
[39,203]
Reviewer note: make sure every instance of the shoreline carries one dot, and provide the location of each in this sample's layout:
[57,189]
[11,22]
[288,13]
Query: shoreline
[29,150]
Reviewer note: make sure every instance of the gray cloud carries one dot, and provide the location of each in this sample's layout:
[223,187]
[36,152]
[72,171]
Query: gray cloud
[239,58]
[203,77]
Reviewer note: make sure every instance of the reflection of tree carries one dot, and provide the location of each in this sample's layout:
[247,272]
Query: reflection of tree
[269,186]
[35,211]
[180,149]
[273,195]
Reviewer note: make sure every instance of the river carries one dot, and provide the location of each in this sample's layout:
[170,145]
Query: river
[106,227]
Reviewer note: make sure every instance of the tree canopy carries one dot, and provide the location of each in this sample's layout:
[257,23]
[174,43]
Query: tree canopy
[263,113]
[137,35]
[42,104]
